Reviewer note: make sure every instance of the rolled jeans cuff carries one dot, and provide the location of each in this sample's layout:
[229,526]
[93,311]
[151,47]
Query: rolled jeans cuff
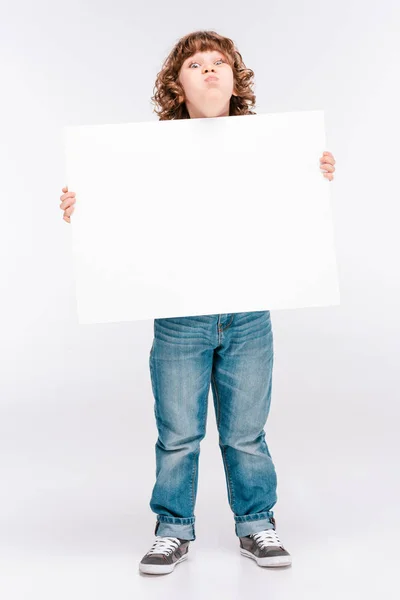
[182,528]
[247,524]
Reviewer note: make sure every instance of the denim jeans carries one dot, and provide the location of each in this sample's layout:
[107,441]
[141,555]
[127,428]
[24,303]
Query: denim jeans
[234,353]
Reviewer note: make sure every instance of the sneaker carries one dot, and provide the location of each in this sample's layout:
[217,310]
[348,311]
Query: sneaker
[164,555]
[265,548]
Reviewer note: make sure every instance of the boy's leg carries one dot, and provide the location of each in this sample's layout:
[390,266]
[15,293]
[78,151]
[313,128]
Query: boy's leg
[180,366]
[241,384]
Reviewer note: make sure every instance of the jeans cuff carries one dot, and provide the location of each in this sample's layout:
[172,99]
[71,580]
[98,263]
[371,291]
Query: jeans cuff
[182,528]
[247,524]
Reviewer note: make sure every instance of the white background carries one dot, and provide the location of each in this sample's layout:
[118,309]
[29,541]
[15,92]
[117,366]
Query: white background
[77,428]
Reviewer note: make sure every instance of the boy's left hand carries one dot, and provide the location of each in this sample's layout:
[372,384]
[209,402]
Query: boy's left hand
[327,163]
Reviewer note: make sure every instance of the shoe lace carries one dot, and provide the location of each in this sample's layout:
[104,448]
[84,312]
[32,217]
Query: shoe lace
[267,537]
[164,545]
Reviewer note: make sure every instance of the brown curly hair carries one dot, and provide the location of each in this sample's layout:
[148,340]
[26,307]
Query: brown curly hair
[168,90]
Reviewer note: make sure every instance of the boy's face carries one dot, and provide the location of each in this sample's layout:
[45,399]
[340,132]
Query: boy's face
[207,98]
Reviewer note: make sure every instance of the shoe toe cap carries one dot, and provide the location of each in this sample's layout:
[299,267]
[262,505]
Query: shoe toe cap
[154,559]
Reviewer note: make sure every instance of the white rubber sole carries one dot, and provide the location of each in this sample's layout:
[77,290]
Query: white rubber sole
[268,561]
[160,569]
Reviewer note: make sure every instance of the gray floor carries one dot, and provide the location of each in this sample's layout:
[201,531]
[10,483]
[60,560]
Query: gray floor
[341,566]
[343,538]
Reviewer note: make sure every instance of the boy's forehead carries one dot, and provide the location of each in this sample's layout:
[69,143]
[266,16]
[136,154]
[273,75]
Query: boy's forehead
[200,54]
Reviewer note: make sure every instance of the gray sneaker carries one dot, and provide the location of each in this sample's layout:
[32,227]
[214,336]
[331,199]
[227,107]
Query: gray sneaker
[265,548]
[164,555]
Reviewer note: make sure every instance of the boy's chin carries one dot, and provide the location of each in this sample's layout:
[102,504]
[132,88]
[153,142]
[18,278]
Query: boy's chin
[213,109]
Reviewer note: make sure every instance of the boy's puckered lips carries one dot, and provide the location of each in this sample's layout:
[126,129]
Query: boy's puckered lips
[211,78]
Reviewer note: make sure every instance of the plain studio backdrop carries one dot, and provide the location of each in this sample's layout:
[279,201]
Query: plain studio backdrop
[76,416]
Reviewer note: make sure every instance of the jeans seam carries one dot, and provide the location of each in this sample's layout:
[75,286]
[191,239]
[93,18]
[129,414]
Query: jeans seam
[175,520]
[230,486]
[218,405]
[195,455]
[154,386]
[265,515]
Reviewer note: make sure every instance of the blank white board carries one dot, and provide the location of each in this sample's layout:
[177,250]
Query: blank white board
[200,216]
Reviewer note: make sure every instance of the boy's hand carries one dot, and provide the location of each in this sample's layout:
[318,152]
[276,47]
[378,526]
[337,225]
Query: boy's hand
[327,165]
[67,204]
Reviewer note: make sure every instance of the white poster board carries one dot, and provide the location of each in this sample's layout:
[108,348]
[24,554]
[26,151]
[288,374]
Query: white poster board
[200,216]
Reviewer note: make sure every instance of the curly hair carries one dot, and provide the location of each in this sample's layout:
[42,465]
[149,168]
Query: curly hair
[168,91]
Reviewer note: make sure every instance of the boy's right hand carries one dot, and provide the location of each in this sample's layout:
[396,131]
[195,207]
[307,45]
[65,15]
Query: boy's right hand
[67,204]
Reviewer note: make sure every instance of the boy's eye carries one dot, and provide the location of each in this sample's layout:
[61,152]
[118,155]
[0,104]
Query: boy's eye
[196,63]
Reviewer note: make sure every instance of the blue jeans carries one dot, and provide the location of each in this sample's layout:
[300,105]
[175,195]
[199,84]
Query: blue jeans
[233,352]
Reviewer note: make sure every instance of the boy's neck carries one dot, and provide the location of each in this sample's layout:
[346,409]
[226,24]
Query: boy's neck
[201,114]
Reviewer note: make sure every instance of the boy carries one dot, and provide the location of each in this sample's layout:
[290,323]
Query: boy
[204,76]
